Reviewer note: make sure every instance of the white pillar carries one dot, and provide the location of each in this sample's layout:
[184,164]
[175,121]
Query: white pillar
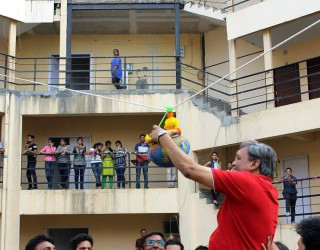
[12,51]
[233,84]
[268,65]
[63,42]
[10,200]
[304,81]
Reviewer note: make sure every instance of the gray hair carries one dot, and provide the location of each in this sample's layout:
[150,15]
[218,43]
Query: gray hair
[264,153]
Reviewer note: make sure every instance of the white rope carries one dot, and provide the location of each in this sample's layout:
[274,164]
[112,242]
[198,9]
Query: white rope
[86,93]
[254,59]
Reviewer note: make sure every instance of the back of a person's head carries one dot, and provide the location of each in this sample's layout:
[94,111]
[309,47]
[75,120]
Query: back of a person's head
[201,248]
[264,153]
[143,240]
[33,242]
[281,246]
[76,240]
[309,230]
[174,242]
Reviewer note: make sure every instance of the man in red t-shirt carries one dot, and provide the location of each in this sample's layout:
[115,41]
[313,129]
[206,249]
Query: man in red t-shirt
[249,212]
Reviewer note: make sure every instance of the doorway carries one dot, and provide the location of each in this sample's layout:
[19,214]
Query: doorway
[287,85]
[300,169]
[62,236]
[80,76]
[72,140]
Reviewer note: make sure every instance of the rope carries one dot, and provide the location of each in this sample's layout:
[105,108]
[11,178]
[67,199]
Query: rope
[86,93]
[252,60]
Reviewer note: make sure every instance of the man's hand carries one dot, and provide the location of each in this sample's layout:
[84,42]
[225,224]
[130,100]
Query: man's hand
[270,245]
[156,130]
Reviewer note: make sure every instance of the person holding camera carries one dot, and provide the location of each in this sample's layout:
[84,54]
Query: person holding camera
[31,152]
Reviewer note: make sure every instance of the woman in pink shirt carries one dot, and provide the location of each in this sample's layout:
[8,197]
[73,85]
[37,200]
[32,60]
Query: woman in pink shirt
[50,161]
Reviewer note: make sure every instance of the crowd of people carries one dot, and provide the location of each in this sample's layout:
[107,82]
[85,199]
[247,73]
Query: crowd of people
[308,230]
[105,161]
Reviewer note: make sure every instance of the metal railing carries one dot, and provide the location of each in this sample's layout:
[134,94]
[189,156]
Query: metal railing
[65,177]
[88,72]
[308,199]
[246,94]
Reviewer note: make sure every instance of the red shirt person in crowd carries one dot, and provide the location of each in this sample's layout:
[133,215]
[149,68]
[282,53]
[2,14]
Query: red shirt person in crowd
[249,212]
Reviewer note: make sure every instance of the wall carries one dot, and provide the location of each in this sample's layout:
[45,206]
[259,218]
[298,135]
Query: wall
[267,14]
[108,231]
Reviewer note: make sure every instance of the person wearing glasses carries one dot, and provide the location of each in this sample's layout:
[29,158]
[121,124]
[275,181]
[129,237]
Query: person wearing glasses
[153,241]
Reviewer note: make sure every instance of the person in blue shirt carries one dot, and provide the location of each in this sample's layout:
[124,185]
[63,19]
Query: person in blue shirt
[116,70]
[290,193]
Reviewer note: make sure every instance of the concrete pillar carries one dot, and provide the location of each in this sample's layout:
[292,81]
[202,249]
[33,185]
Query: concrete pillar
[303,71]
[63,43]
[10,217]
[12,44]
[233,84]
[268,65]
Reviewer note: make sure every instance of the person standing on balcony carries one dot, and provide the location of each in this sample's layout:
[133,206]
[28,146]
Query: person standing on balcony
[108,165]
[64,152]
[290,193]
[96,162]
[120,164]
[40,242]
[216,164]
[31,152]
[49,161]
[249,213]
[116,70]
[143,232]
[141,150]
[79,162]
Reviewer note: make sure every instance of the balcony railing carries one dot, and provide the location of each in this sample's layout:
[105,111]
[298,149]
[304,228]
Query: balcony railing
[158,177]
[299,81]
[308,199]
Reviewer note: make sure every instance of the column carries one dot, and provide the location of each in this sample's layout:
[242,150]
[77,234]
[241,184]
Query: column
[268,65]
[12,52]
[10,200]
[63,43]
[304,81]
[233,84]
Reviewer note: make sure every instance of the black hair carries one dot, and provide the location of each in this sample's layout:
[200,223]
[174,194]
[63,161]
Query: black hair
[174,242]
[63,139]
[32,136]
[142,135]
[143,240]
[76,240]
[201,248]
[33,242]
[214,152]
[116,50]
[108,142]
[118,141]
[281,246]
[97,145]
[80,138]
[309,230]
[289,168]
[143,229]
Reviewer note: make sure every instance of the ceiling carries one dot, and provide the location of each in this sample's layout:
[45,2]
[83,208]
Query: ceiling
[282,32]
[122,22]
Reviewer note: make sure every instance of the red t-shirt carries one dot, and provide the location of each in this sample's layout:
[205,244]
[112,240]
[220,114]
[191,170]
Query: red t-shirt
[249,212]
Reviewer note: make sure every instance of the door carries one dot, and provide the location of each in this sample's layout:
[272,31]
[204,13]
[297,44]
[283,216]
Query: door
[80,72]
[62,236]
[287,85]
[300,169]
[71,140]
[313,67]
